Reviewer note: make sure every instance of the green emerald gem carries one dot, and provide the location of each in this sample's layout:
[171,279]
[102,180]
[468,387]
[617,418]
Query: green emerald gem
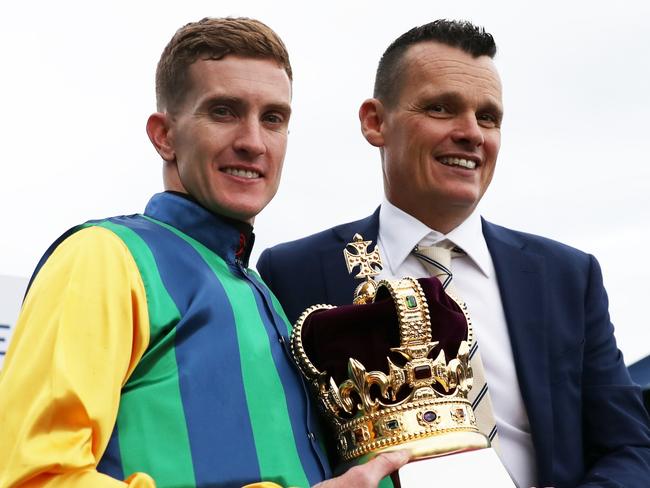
[410,301]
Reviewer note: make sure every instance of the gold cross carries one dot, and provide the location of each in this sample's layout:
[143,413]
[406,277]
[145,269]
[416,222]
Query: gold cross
[369,263]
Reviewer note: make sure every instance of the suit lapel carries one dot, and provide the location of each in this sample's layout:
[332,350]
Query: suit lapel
[520,275]
[339,284]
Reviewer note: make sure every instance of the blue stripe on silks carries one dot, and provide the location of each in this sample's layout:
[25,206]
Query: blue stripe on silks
[301,415]
[214,399]
[111,462]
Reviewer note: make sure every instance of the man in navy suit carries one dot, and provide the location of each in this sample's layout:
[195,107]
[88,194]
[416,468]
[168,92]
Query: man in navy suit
[567,412]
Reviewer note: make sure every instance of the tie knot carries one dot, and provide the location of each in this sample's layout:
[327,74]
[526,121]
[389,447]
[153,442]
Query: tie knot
[442,251]
[437,259]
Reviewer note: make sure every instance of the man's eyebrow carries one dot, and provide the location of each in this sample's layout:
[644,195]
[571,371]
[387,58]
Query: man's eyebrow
[279,107]
[221,99]
[242,102]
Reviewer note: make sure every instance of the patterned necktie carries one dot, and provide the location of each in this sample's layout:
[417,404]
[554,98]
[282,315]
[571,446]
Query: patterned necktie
[437,260]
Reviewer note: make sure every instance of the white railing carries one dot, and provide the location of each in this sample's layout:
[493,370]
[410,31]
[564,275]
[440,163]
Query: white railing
[12,290]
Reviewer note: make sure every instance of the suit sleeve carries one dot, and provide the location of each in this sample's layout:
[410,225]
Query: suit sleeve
[82,329]
[616,424]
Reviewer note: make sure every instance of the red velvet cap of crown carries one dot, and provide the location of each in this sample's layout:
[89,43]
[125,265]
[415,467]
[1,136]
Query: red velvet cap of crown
[368,332]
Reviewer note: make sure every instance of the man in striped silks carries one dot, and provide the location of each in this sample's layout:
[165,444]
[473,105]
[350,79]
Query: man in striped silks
[147,352]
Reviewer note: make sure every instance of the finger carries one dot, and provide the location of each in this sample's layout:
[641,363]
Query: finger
[368,475]
[390,462]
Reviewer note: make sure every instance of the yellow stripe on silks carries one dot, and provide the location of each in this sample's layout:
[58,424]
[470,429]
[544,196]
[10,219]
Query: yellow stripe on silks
[82,330]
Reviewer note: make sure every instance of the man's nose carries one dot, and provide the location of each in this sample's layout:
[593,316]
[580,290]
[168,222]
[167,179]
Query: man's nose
[467,131]
[250,138]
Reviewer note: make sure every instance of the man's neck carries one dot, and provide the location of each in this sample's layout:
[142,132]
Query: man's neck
[442,220]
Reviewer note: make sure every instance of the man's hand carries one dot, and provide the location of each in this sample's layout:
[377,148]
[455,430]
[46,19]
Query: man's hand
[370,474]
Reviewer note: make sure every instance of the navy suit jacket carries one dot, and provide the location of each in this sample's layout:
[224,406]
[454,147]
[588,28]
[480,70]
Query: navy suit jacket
[587,419]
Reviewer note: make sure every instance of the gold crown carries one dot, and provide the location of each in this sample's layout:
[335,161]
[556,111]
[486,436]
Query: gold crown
[420,405]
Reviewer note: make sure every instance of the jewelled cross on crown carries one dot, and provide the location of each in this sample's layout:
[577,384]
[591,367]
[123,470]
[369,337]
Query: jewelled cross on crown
[369,264]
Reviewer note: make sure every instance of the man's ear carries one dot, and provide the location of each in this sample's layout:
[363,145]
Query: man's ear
[371,115]
[159,135]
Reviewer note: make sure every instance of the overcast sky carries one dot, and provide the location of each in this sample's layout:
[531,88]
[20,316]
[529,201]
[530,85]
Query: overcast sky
[77,86]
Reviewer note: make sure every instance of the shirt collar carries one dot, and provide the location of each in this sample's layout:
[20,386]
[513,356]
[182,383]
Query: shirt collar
[400,232]
[469,237]
[232,240]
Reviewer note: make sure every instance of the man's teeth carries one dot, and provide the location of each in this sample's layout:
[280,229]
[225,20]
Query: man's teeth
[242,173]
[465,163]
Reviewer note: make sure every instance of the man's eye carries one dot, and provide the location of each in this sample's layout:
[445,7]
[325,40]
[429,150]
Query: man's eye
[488,120]
[437,108]
[274,118]
[221,112]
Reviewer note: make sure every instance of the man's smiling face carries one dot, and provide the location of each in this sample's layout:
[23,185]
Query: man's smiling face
[441,138]
[229,135]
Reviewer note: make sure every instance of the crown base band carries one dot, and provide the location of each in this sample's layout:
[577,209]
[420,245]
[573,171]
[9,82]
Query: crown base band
[422,449]
[428,428]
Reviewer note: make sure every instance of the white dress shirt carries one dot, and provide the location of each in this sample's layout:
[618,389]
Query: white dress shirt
[476,283]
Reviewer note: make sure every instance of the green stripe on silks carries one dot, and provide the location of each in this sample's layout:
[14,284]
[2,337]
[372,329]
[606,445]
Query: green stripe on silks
[138,429]
[280,311]
[384,483]
[278,461]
